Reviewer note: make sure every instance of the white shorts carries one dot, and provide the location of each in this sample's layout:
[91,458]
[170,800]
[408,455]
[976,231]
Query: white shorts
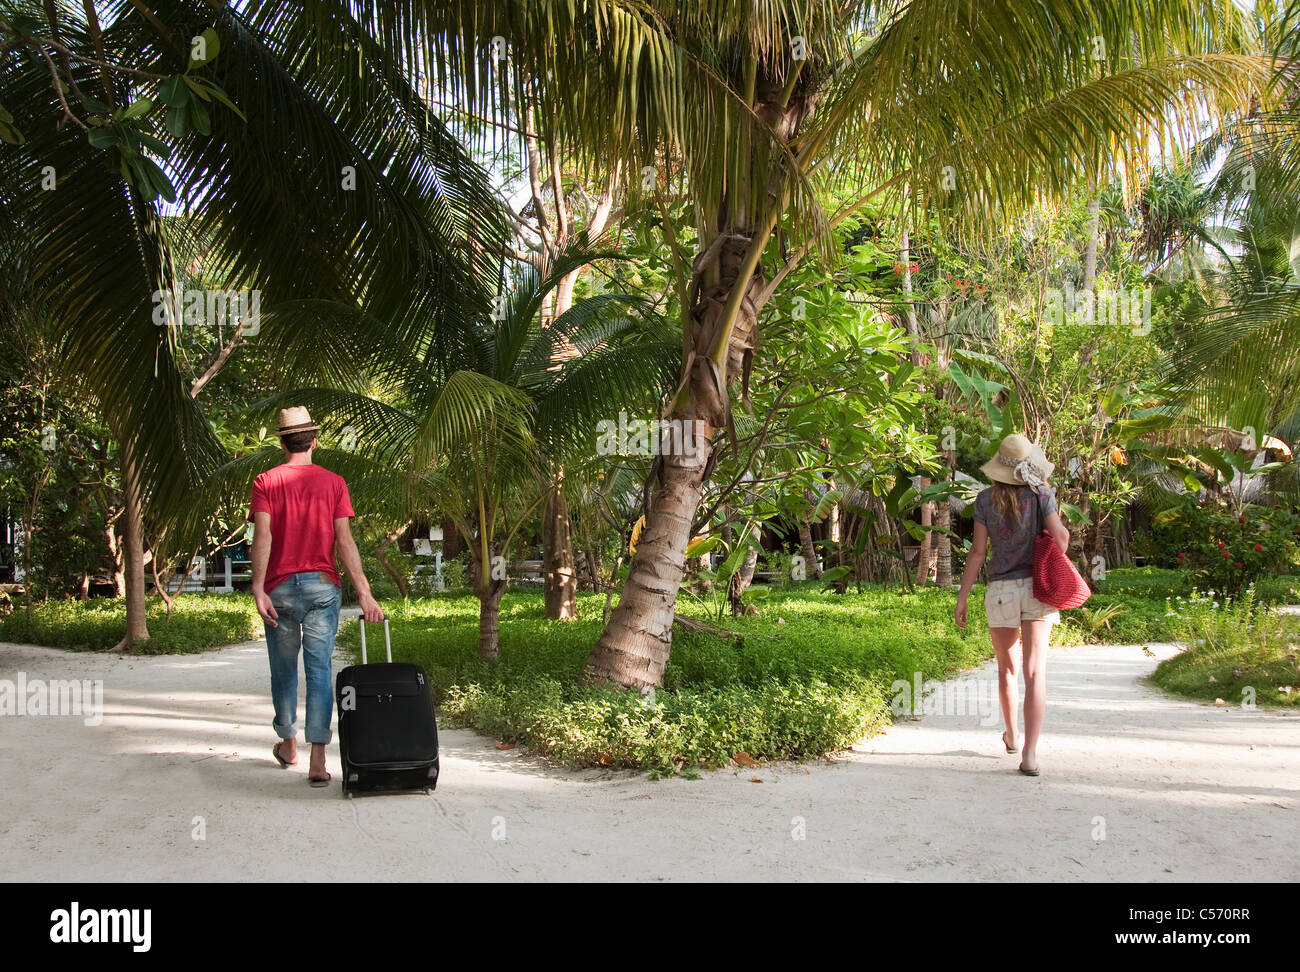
[1008,602]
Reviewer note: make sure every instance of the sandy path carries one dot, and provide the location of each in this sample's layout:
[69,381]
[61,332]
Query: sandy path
[1187,792]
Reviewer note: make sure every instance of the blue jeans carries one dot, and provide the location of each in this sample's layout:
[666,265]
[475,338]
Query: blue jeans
[307,605]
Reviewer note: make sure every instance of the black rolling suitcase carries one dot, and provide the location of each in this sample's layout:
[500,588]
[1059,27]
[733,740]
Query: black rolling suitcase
[388,732]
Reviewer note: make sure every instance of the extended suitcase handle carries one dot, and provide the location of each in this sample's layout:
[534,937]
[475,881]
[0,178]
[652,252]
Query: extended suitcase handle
[388,645]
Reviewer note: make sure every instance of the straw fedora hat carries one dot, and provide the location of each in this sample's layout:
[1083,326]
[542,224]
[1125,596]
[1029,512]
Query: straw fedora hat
[295,419]
[1018,462]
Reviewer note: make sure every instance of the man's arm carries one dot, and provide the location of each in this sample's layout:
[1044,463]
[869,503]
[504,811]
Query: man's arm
[261,557]
[974,561]
[351,557]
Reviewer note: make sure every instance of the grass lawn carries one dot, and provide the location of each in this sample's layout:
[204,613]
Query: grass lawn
[810,674]
[1267,674]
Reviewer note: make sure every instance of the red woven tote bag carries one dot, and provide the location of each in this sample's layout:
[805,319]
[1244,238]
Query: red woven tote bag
[1056,581]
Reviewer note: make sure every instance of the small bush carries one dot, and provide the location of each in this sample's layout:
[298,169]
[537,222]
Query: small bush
[1227,552]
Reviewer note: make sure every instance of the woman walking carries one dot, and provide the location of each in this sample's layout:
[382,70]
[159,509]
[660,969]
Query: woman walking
[1006,512]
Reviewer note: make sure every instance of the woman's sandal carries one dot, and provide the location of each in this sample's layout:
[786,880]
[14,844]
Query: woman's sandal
[1028,772]
[275,751]
[1010,748]
[315,782]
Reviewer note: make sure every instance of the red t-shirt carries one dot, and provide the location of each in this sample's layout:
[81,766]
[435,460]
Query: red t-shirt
[304,500]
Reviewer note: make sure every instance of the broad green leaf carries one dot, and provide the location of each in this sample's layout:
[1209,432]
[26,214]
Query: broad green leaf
[699,548]
[200,117]
[102,138]
[197,86]
[221,96]
[204,48]
[95,106]
[175,91]
[157,178]
[137,109]
[156,146]
[178,121]
[1072,513]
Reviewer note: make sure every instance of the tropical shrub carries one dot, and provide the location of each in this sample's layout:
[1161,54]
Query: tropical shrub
[1227,552]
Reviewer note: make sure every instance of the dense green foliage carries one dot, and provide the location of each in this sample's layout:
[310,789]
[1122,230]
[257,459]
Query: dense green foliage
[1226,551]
[198,622]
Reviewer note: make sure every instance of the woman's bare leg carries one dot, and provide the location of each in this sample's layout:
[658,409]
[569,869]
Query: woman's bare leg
[1034,637]
[1004,643]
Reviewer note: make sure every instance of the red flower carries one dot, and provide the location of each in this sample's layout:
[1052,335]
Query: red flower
[1259,548]
[1228,554]
[1239,565]
[1241,519]
[1182,555]
[1222,544]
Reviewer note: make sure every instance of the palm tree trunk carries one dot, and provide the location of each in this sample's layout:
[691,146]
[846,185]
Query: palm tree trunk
[925,555]
[740,581]
[133,550]
[560,576]
[724,298]
[489,611]
[807,549]
[943,544]
[633,650]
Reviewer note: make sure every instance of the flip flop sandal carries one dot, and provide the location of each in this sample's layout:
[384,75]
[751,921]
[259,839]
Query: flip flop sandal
[1010,748]
[1028,772]
[316,782]
[275,751]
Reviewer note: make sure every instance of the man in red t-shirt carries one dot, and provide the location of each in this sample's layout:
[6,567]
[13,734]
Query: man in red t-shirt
[300,516]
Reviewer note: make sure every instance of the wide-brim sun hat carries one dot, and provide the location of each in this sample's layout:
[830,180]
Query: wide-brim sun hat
[296,419]
[1018,462]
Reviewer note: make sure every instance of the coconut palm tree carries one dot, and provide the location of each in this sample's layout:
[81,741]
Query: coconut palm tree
[312,176]
[1237,363]
[754,110]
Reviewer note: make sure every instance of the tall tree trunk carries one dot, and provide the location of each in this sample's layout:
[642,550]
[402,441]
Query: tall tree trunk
[489,591]
[943,544]
[739,582]
[633,650]
[381,552]
[807,549]
[558,560]
[925,555]
[133,550]
[725,295]
[560,577]
[1090,254]
[115,552]
[489,611]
